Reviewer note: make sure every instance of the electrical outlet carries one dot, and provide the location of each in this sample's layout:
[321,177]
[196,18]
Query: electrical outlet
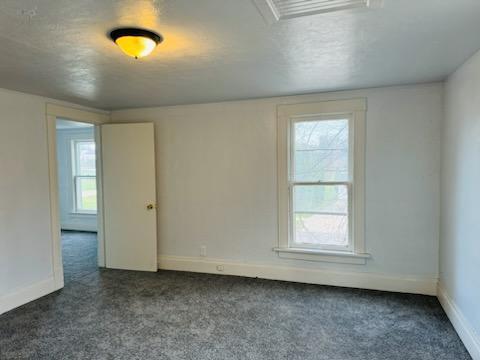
[220,268]
[203,251]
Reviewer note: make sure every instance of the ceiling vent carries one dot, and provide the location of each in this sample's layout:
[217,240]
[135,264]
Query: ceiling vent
[276,10]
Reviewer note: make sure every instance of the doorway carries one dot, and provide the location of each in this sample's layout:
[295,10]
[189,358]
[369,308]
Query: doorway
[76,199]
[123,179]
[77,191]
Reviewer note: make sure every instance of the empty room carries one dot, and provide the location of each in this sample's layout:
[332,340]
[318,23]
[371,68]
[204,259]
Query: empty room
[240,179]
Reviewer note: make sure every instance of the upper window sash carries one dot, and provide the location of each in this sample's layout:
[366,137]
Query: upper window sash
[320,117]
[77,168]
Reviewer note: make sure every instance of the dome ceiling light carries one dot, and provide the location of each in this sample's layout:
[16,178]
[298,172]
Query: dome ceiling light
[136,42]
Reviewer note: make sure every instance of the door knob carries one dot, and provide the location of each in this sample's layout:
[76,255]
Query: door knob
[151,206]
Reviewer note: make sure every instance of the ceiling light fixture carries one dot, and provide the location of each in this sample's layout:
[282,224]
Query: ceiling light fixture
[135,42]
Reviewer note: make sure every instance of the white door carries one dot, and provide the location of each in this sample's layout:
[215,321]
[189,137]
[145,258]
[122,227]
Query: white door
[129,199]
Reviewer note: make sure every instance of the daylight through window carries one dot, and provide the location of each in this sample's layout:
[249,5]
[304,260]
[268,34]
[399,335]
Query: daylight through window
[320,182]
[84,176]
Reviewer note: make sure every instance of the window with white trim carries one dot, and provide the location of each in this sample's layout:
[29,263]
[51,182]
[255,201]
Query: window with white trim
[84,176]
[320,171]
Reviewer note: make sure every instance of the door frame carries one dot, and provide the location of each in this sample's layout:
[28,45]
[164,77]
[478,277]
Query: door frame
[53,112]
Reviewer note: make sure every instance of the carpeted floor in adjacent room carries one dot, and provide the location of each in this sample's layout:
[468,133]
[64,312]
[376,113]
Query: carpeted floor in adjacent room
[113,314]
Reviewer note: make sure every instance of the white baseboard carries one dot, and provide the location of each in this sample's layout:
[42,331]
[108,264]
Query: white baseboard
[463,327]
[426,286]
[27,294]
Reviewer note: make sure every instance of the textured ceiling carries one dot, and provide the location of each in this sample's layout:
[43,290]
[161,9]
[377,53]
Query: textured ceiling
[218,50]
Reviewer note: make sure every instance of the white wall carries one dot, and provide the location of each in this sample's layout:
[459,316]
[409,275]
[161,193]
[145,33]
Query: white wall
[460,190]
[68,219]
[26,269]
[216,181]
[216,177]
[25,252]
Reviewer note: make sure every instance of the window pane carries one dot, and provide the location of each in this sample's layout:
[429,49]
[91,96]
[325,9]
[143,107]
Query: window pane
[320,215]
[321,150]
[86,158]
[86,194]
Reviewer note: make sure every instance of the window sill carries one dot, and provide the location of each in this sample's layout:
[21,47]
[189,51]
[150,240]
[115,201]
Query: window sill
[83,213]
[322,255]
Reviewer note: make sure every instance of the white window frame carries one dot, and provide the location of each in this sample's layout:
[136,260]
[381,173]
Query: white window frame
[355,111]
[76,176]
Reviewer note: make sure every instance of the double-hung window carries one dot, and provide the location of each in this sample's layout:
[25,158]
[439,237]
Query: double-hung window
[320,181]
[84,176]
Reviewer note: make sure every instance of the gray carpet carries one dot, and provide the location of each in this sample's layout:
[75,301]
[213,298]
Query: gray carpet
[112,314]
[79,252]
